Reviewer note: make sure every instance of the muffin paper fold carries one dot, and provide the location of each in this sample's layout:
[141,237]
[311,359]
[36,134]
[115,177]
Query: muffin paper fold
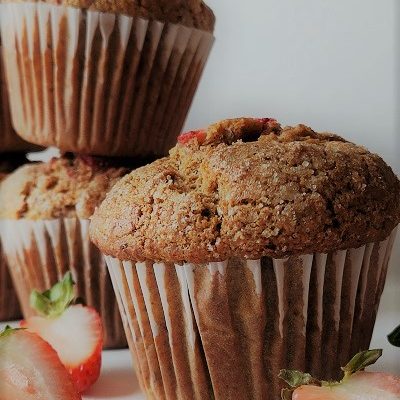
[39,253]
[99,83]
[9,305]
[224,330]
[9,140]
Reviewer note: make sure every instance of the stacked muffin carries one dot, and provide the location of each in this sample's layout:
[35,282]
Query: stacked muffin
[251,248]
[111,79]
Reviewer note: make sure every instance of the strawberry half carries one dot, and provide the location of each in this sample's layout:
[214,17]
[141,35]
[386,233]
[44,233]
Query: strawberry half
[73,330]
[31,370]
[355,385]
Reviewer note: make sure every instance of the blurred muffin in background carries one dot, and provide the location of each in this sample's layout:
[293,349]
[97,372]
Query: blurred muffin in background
[111,78]
[45,210]
[250,249]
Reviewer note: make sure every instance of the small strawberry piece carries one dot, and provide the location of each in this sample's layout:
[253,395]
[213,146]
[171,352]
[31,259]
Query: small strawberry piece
[355,385]
[362,385]
[200,135]
[266,120]
[31,370]
[74,331]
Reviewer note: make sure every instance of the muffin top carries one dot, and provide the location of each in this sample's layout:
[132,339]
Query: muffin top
[249,188]
[63,187]
[191,13]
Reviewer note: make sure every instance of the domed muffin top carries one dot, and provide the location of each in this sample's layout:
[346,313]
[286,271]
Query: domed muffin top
[191,13]
[249,188]
[63,187]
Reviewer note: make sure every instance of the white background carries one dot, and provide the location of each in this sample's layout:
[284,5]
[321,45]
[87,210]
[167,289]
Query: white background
[331,64]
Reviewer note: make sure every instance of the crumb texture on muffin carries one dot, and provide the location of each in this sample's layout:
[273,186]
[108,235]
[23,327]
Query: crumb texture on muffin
[191,13]
[249,188]
[63,187]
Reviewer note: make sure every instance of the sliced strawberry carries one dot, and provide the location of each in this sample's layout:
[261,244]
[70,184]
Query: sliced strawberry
[31,370]
[74,331]
[362,385]
[355,385]
[200,135]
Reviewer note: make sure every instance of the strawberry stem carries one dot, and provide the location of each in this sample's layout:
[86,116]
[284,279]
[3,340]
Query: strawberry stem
[361,360]
[296,379]
[8,331]
[53,302]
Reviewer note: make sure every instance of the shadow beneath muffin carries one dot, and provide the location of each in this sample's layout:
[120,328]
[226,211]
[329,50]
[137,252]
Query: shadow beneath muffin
[114,383]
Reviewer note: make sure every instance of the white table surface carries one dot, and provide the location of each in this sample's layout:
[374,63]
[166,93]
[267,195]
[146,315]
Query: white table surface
[118,382]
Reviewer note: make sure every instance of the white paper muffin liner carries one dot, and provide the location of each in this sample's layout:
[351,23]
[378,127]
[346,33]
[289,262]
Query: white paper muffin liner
[99,83]
[39,253]
[224,330]
[9,140]
[9,305]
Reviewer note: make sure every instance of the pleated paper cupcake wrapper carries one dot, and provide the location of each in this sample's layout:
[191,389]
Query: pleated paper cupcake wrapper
[224,330]
[9,305]
[9,140]
[99,83]
[39,253]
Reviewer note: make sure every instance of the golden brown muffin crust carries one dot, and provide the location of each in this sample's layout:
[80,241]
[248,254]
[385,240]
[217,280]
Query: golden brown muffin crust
[249,188]
[63,187]
[191,13]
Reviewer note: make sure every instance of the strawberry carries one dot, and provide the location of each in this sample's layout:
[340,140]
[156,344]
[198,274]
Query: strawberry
[73,330]
[30,369]
[200,135]
[355,385]
[266,121]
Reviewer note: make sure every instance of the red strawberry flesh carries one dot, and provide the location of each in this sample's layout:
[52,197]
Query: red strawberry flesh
[200,135]
[266,120]
[31,370]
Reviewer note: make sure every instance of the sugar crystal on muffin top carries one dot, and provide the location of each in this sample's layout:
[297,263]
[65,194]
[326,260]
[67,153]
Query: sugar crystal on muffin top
[249,188]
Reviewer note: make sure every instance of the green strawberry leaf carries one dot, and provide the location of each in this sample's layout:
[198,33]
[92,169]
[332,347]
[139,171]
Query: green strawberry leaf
[53,302]
[361,360]
[8,331]
[296,378]
[394,337]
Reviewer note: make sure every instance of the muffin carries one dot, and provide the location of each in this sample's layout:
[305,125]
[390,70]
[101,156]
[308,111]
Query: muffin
[113,78]
[251,248]
[9,304]
[44,211]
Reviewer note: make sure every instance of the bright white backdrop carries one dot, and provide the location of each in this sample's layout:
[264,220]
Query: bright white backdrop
[331,64]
